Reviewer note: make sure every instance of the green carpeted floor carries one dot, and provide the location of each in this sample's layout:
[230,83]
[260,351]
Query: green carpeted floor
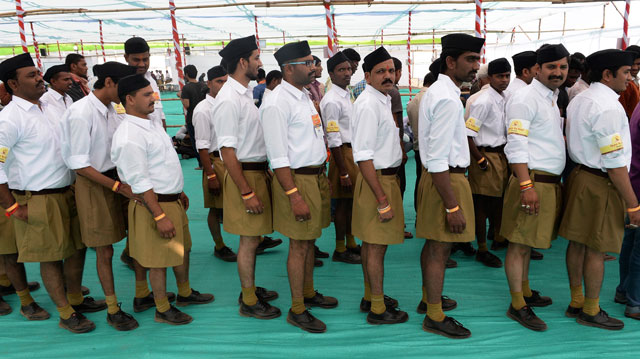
[218,330]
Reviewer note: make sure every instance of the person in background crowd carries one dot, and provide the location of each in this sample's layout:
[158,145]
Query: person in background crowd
[258,91]
[79,69]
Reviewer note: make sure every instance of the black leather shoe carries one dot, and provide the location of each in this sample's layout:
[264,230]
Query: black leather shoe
[85,290]
[263,294]
[449,328]
[77,323]
[365,305]
[194,298]
[321,301]
[601,320]
[32,286]
[122,321]
[527,318]
[142,304]
[536,256]
[354,250]
[572,312]
[34,312]
[267,242]
[320,254]
[451,263]
[5,308]
[346,257]
[318,263]
[620,298]
[447,305]
[306,322]
[488,259]
[536,300]
[173,316]
[226,254]
[260,310]
[90,305]
[390,316]
[497,246]
[466,248]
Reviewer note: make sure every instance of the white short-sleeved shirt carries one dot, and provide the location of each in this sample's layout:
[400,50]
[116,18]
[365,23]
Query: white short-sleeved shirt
[473,99]
[292,129]
[205,133]
[442,133]
[577,88]
[145,157]
[30,157]
[237,122]
[157,114]
[375,134]
[56,102]
[534,129]
[515,85]
[87,133]
[337,109]
[598,130]
[486,121]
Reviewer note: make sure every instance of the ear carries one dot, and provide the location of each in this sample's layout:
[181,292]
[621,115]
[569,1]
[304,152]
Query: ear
[367,76]
[13,84]
[450,61]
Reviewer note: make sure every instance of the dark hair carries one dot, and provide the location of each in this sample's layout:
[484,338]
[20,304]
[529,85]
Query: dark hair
[123,98]
[518,68]
[576,64]
[191,71]
[73,59]
[351,54]
[11,75]
[99,84]
[273,75]
[261,74]
[455,53]
[397,63]
[316,60]
[579,56]
[232,64]
[429,79]
[596,75]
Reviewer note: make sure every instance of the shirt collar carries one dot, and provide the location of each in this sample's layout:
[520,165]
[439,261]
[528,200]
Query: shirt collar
[56,95]
[211,99]
[292,90]
[240,88]
[26,105]
[340,91]
[95,101]
[604,90]
[449,83]
[140,122]
[378,95]
[544,90]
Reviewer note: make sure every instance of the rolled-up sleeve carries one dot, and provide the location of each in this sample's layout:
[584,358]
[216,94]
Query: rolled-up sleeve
[330,117]
[202,129]
[365,131]
[439,142]
[274,126]
[519,118]
[225,121]
[131,160]
[79,136]
[9,135]
[609,138]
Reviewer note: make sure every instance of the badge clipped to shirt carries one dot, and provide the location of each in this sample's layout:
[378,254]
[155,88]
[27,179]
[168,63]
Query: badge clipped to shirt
[332,126]
[4,152]
[519,127]
[473,124]
[156,96]
[119,109]
[317,124]
[610,144]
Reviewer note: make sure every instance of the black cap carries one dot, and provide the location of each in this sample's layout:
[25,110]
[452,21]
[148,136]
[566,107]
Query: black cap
[462,42]
[51,71]
[237,47]
[14,63]
[131,83]
[336,60]
[634,49]
[113,69]
[215,72]
[374,58]
[610,58]
[525,59]
[551,53]
[292,51]
[499,66]
[135,45]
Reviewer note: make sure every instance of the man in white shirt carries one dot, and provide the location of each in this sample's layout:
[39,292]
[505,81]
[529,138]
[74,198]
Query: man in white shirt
[535,150]
[294,139]
[445,209]
[337,110]
[87,131]
[274,78]
[526,69]
[488,173]
[158,225]
[32,168]
[59,79]
[599,142]
[378,152]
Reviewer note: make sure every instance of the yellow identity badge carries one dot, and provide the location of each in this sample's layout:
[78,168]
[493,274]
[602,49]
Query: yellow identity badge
[156,96]
[473,124]
[4,152]
[119,108]
[518,127]
[610,144]
[332,126]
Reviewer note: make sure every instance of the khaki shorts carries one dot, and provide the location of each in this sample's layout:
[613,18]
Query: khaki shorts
[236,220]
[334,175]
[211,201]
[7,236]
[493,181]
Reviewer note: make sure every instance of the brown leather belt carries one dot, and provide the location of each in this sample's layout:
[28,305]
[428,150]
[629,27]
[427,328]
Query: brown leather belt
[391,171]
[546,178]
[499,149]
[255,166]
[168,197]
[112,173]
[44,191]
[216,154]
[457,169]
[309,170]
[594,171]
[347,144]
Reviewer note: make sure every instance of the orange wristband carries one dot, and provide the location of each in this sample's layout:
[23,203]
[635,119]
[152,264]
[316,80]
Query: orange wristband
[482,160]
[631,210]
[248,195]
[159,217]
[212,176]
[525,183]
[116,186]
[454,209]
[291,191]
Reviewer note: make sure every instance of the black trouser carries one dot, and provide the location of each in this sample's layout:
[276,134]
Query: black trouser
[192,135]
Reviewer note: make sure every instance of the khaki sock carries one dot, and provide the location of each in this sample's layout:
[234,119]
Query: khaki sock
[351,241]
[434,311]
[249,296]
[75,298]
[142,289]
[482,247]
[517,300]
[577,298]
[377,304]
[424,295]
[112,304]
[367,291]
[219,243]
[66,311]
[184,289]
[308,290]
[25,297]
[297,305]
[591,306]
[526,290]
[162,304]
[340,246]
[4,280]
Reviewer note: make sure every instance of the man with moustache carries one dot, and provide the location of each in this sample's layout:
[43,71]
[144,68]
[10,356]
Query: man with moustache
[59,79]
[445,209]
[247,201]
[79,82]
[35,187]
[488,171]
[378,215]
[337,111]
[535,150]
[294,139]
[598,141]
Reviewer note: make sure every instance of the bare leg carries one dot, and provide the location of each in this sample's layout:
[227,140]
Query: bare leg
[15,271]
[593,273]
[181,272]
[575,263]
[214,228]
[433,271]
[514,264]
[375,267]
[158,279]
[73,269]
[247,260]
[52,277]
[296,261]
[104,259]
